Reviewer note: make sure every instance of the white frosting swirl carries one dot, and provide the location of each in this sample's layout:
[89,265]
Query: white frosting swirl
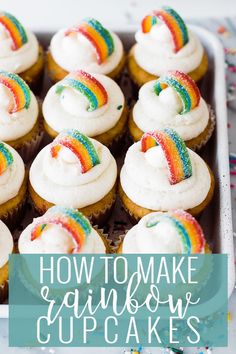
[11,180]
[161,238]
[154,51]
[61,182]
[15,125]
[21,59]
[69,110]
[6,244]
[153,112]
[144,179]
[76,52]
[57,240]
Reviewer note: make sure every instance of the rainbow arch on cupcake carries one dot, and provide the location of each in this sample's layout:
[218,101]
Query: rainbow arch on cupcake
[97,35]
[14,29]
[88,86]
[80,145]
[185,87]
[19,89]
[175,151]
[190,232]
[6,158]
[69,219]
[173,21]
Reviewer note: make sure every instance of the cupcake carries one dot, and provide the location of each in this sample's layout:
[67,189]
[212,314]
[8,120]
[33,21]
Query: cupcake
[20,51]
[92,104]
[171,232]
[20,120]
[161,174]
[165,43]
[74,171]
[89,47]
[13,185]
[6,248]
[62,230]
[173,101]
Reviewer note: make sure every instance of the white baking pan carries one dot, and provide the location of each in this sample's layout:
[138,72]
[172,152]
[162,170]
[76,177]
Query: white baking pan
[217,219]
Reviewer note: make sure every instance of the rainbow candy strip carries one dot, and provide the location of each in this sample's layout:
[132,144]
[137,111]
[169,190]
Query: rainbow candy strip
[185,87]
[19,89]
[15,30]
[80,145]
[190,231]
[98,36]
[69,219]
[86,84]
[175,151]
[6,158]
[173,21]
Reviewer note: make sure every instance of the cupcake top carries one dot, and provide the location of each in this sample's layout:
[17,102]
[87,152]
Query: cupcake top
[91,104]
[165,43]
[160,173]
[12,172]
[73,171]
[18,107]
[172,101]
[61,230]
[88,46]
[6,244]
[173,232]
[19,47]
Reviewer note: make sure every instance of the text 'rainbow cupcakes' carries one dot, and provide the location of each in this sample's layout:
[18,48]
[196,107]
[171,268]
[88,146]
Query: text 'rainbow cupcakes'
[69,219]
[6,158]
[14,29]
[174,23]
[175,152]
[80,145]
[185,87]
[98,36]
[88,86]
[19,89]
[190,231]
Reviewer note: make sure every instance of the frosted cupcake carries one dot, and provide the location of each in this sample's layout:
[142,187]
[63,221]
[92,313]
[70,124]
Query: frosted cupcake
[20,51]
[161,174]
[13,185]
[172,232]
[165,43]
[92,104]
[89,47]
[20,120]
[62,230]
[173,101]
[6,248]
[74,171]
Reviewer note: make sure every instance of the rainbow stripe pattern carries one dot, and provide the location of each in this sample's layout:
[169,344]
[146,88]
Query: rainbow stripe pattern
[98,36]
[69,219]
[185,87]
[88,86]
[6,158]
[190,232]
[19,89]
[175,151]
[80,145]
[14,29]
[173,21]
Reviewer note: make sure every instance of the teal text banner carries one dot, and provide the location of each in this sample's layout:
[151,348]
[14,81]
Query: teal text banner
[118,300]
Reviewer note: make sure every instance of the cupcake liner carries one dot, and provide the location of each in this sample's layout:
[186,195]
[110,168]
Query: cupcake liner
[198,146]
[105,238]
[3,292]
[13,216]
[30,148]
